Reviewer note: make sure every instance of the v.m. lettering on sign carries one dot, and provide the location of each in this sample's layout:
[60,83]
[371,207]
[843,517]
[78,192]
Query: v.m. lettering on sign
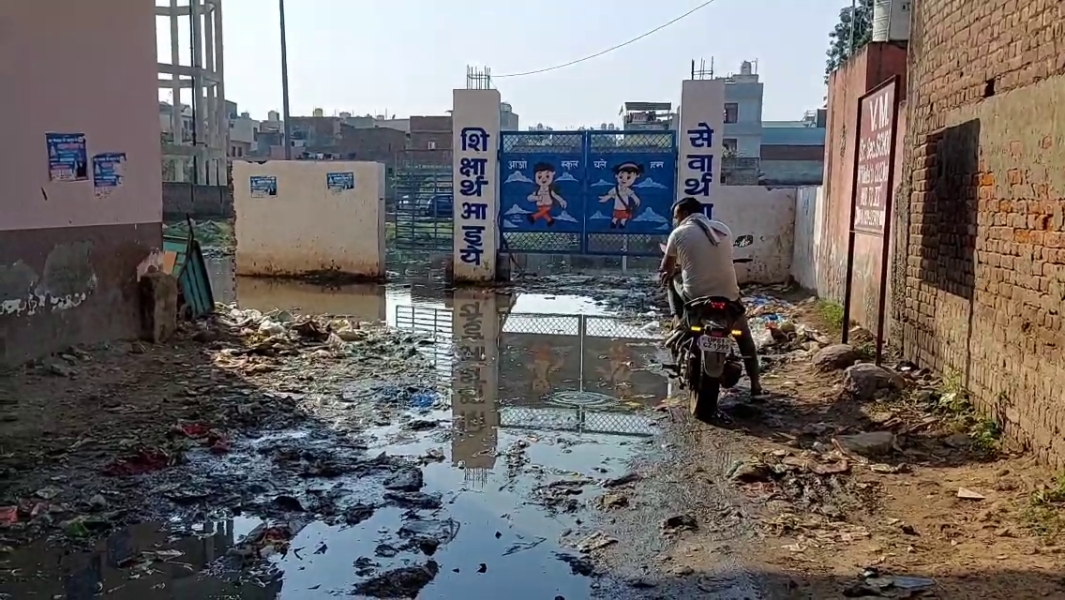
[874,160]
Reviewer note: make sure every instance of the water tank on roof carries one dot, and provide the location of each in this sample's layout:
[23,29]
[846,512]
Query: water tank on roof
[891,20]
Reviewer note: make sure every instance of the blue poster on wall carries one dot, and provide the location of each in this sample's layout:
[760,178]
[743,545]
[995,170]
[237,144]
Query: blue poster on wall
[108,172]
[630,192]
[340,182]
[68,157]
[541,191]
[263,186]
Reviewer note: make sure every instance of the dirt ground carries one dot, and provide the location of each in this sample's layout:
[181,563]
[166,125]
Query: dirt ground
[793,492]
[945,500]
[77,428]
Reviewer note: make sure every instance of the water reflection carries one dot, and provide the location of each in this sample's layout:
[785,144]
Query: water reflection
[138,562]
[542,388]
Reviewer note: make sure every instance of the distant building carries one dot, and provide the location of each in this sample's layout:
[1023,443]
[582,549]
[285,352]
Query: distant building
[243,136]
[742,137]
[166,123]
[508,119]
[315,131]
[648,116]
[793,152]
[430,133]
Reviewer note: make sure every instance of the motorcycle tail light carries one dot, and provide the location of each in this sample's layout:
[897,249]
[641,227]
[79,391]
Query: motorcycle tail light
[717,305]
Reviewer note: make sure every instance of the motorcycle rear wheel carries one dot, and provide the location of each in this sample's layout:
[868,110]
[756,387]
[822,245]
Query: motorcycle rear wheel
[703,392]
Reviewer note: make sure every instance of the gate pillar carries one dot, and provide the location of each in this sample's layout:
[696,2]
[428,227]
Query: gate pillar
[702,126]
[475,146]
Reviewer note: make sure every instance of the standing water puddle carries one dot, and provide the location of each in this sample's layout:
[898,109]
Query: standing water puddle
[483,494]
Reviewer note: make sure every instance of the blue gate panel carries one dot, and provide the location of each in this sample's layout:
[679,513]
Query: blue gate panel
[542,191]
[587,192]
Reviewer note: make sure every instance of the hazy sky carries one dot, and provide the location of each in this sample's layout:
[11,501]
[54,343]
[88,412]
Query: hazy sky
[405,56]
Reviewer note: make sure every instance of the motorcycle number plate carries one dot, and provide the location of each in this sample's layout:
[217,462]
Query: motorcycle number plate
[715,344]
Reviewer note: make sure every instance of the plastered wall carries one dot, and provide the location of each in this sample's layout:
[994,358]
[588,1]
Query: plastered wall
[768,215]
[294,224]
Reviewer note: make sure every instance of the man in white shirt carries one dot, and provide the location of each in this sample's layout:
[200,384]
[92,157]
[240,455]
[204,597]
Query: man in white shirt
[702,251]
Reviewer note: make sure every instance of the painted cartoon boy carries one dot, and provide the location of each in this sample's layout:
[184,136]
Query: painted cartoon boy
[546,194]
[625,199]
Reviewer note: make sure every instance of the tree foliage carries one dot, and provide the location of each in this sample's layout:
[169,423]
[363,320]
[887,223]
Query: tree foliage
[860,20]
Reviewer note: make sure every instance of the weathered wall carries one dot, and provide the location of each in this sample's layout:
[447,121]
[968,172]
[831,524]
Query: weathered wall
[307,227]
[807,271]
[200,201]
[769,216]
[68,259]
[874,64]
[981,269]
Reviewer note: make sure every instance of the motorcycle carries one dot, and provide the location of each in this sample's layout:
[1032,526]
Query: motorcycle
[704,347]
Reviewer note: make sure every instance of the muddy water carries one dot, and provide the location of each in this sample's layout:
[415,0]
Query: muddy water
[543,389]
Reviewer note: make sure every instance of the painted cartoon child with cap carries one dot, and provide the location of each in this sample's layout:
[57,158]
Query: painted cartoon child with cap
[625,199]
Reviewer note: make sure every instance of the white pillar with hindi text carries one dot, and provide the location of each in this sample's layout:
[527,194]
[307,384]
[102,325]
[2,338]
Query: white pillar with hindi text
[702,125]
[475,123]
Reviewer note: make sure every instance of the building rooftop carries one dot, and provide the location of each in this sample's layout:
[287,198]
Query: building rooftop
[793,136]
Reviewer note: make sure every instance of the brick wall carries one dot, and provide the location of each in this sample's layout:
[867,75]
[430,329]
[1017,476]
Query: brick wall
[980,259]
[378,144]
[430,133]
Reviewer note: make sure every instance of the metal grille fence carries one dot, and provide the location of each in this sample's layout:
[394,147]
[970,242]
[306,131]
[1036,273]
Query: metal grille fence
[421,216]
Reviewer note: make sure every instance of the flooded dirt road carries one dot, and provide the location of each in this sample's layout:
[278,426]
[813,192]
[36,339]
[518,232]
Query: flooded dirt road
[480,458]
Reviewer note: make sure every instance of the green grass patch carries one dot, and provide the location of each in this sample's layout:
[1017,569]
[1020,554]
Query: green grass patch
[1044,513]
[831,312]
[952,400]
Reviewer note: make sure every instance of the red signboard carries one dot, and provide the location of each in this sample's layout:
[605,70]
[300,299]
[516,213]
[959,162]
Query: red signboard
[875,159]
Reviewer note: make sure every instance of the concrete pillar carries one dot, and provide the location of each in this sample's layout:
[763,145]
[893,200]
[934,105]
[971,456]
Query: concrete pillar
[475,130]
[702,126]
[175,59]
[219,67]
[474,406]
[210,116]
[198,87]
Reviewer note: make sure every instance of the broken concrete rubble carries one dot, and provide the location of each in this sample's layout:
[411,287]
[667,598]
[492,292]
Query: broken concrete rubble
[866,381]
[835,357]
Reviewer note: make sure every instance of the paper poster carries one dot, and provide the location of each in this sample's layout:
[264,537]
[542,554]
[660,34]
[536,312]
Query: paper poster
[263,186]
[340,182]
[68,159]
[108,172]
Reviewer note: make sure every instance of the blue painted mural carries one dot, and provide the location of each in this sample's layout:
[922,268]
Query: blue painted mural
[633,193]
[543,191]
[567,186]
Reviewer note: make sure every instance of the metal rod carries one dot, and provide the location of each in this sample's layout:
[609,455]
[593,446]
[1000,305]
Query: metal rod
[284,83]
[848,286]
[885,251]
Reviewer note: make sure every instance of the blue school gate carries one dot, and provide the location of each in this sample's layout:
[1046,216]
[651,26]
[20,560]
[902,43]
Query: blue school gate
[586,192]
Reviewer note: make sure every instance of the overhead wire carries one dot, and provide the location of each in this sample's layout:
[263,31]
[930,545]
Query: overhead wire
[610,49]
